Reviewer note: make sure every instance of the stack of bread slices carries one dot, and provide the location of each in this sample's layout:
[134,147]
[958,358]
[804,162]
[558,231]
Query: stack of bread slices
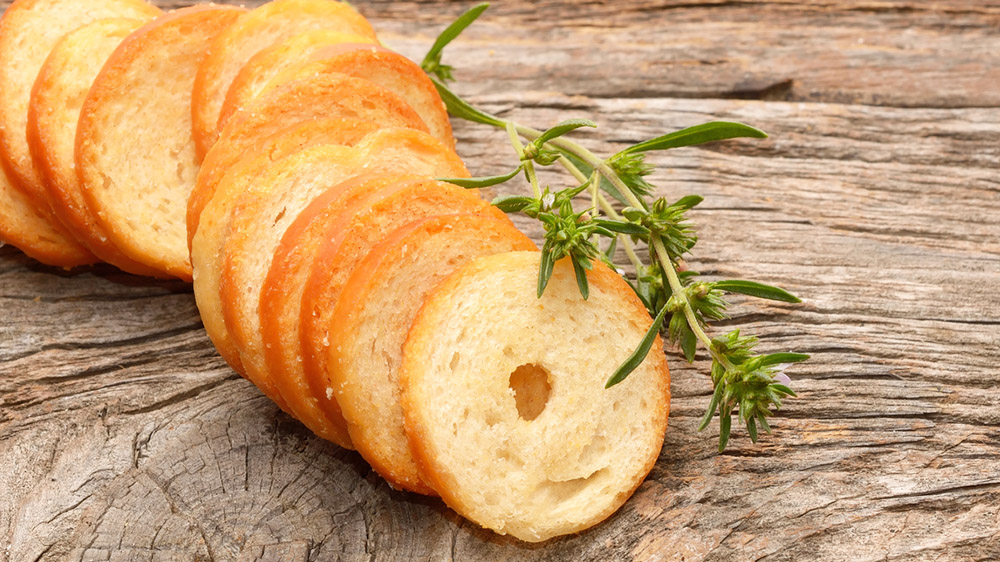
[285,162]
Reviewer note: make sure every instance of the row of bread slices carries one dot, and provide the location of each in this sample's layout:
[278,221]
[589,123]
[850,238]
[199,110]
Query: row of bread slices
[285,162]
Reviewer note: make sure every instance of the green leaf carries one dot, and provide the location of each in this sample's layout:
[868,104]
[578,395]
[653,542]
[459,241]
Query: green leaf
[639,355]
[783,389]
[581,278]
[688,201]
[713,405]
[780,358]
[725,423]
[545,269]
[755,289]
[752,429]
[689,343]
[512,203]
[561,129]
[699,134]
[483,181]
[432,61]
[622,227]
[460,108]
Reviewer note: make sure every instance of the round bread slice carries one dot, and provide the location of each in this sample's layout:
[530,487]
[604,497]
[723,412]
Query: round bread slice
[258,154]
[386,68]
[283,105]
[504,399]
[28,32]
[268,63]
[23,226]
[351,218]
[293,254]
[258,29]
[53,113]
[134,152]
[373,315]
[261,216]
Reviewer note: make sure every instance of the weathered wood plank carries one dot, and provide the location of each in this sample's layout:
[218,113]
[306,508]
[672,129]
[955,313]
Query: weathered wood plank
[125,437]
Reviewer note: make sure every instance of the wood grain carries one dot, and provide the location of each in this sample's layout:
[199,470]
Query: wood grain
[876,199]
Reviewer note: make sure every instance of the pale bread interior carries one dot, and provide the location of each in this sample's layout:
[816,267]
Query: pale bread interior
[56,100]
[372,318]
[28,32]
[249,157]
[505,402]
[137,178]
[260,218]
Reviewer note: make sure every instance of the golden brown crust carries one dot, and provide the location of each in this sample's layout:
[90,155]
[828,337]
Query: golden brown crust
[325,96]
[258,29]
[291,262]
[266,64]
[275,199]
[348,220]
[28,32]
[23,226]
[189,28]
[367,283]
[51,130]
[381,66]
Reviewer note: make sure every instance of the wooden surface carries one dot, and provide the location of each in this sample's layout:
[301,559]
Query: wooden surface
[123,436]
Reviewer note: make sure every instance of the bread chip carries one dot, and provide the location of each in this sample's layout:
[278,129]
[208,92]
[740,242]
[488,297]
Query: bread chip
[327,96]
[274,199]
[504,396]
[53,113]
[136,178]
[351,217]
[258,29]
[373,315]
[258,154]
[23,226]
[270,62]
[28,32]
[386,68]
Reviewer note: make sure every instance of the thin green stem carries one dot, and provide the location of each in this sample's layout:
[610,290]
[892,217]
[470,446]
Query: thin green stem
[678,289]
[529,166]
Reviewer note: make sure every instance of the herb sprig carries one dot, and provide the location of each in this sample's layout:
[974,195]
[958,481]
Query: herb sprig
[745,383]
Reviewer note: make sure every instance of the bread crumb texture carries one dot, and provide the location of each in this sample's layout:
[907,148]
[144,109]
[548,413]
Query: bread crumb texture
[573,451]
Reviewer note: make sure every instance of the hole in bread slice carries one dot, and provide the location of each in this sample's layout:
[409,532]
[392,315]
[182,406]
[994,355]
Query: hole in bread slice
[531,387]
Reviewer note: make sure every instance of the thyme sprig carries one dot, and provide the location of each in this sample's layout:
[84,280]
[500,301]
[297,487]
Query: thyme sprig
[745,383]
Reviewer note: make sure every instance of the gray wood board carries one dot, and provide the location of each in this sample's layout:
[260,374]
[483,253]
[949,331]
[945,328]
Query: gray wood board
[876,199]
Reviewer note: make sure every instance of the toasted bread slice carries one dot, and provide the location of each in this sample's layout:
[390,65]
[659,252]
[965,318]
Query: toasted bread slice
[28,32]
[261,216]
[292,253]
[258,29]
[504,399]
[23,226]
[270,62]
[351,218]
[53,113]
[136,178]
[372,317]
[326,96]
[386,68]
[258,154]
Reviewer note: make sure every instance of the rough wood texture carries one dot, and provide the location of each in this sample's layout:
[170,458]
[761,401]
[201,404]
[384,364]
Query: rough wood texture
[124,437]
